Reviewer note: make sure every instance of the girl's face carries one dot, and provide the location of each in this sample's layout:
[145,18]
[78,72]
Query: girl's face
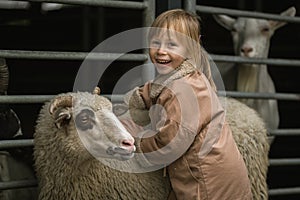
[166,53]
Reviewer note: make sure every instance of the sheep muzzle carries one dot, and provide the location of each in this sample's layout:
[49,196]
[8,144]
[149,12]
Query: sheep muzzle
[122,153]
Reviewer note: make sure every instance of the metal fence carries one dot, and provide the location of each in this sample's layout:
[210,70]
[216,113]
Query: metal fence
[148,7]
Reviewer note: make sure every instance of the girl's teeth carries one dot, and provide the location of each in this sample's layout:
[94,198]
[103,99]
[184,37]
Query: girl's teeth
[162,61]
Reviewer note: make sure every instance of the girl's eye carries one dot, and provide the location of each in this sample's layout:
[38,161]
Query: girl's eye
[155,43]
[172,44]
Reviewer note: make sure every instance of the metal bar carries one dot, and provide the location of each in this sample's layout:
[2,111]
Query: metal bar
[233,12]
[104,3]
[284,161]
[190,5]
[4,144]
[148,13]
[148,17]
[115,98]
[14,5]
[269,61]
[260,95]
[43,98]
[6,185]
[284,191]
[285,132]
[55,55]
[25,98]
[20,99]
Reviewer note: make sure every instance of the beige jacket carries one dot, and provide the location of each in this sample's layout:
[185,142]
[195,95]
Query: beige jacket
[190,136]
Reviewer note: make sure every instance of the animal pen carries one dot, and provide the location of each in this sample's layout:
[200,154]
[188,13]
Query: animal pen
[92,31]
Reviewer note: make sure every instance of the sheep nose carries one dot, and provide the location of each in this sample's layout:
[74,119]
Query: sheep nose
[128,144]
[246,50]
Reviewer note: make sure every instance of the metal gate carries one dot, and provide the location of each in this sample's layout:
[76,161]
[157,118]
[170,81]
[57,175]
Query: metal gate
[148,7]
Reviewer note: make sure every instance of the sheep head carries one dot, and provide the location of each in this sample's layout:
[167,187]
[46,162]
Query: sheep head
[90,118]
[251,37]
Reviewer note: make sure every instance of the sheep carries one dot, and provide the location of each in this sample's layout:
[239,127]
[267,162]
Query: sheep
[249,132]
[251,38]
[69,125]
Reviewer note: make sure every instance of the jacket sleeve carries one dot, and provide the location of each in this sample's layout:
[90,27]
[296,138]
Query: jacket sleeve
[175,121]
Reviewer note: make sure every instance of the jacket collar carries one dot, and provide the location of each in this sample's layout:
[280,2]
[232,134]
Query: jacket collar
[163,80]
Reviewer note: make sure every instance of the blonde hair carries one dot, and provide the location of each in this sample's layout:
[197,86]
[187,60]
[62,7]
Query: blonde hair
[188,24]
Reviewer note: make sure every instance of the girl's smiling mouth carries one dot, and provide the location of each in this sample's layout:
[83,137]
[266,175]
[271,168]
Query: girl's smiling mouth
[162,62]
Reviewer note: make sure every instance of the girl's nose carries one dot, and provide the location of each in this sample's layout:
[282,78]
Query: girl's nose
[161,50]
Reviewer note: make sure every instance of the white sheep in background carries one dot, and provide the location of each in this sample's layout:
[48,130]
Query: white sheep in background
[67,170]
[251,38]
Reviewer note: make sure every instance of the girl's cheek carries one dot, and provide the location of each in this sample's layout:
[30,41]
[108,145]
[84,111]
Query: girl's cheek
[152,53]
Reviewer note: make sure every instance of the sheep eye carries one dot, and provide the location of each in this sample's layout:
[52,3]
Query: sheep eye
[265,29]
[85,120]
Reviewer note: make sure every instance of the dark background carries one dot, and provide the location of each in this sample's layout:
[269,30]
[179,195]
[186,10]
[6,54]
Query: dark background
[81,28]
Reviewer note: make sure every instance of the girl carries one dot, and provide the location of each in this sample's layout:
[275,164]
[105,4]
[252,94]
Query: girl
[189,133]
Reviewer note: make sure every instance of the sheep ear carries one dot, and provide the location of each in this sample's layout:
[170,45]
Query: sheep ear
[62,117]
[225,21]
[60,109]
[97,90]
[289,13]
